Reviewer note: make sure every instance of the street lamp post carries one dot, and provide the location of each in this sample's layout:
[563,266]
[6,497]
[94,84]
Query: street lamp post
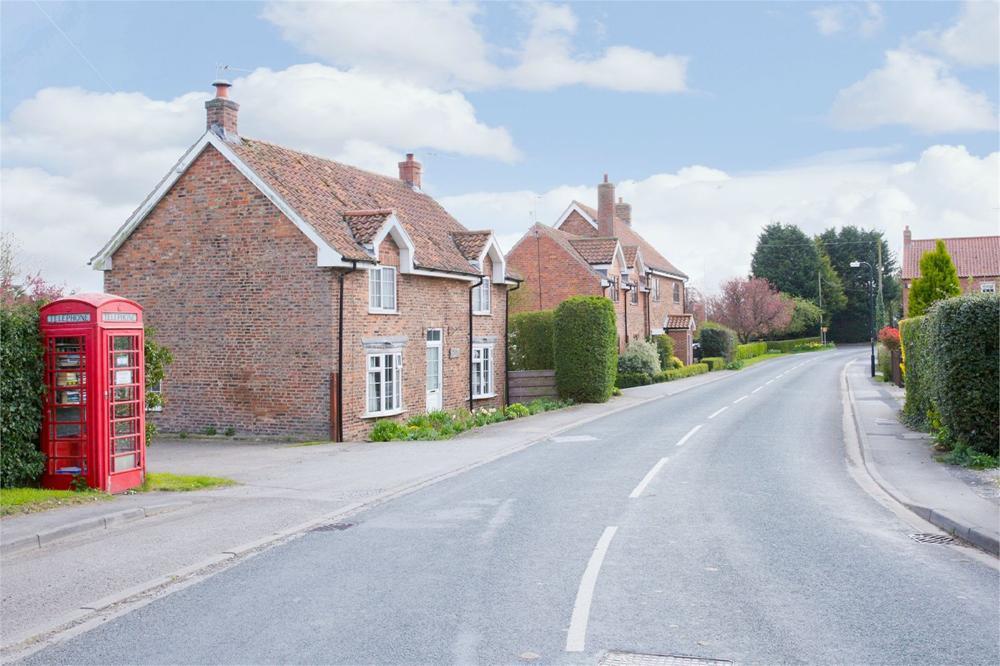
[871,308]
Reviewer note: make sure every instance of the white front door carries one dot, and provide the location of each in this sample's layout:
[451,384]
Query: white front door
[434,367]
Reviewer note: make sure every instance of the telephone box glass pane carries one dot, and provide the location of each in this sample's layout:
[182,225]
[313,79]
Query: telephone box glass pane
[68,414]
[66,417]
[125,393]
[125,463]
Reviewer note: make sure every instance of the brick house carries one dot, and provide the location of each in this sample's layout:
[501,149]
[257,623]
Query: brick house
[976,259]
[303,297]
[597,252]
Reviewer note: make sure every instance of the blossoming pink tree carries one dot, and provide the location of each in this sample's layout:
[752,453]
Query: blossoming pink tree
[751,307]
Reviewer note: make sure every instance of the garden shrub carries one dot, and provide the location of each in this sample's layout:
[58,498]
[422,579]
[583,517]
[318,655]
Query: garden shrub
[717,340]
[385,430]
[516,410]
[630,379]
[585,340]
[961,336]
[714,362]
[674,364]
[156,358]
[750,350]
[530,338]
[884,357]
[21,463]
[639,356]
[788,346]
[916,379]
[664,348]
[681,373]
[889,337]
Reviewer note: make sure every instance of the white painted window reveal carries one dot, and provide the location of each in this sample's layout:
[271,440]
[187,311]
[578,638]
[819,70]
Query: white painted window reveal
[482,371]
[382,289]
[481,297]
[385,383]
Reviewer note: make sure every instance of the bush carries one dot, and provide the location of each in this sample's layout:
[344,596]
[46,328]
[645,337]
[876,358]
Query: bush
[916,371]
[674,364]
[789,346]
[889,337]
[21,463]
[385,430]
[585,339]
[639,356]
[884,357]
[156,358]
[680,373]
[664,348]
[630,379]
[531,340]
[716,340]
[516,410]
[750,350]
[714,362]
[962,338]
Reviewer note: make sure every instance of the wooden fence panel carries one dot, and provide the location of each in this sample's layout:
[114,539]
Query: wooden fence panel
[526,385]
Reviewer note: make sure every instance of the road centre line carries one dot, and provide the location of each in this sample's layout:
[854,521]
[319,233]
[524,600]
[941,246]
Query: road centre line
[691,432]
[646,479]
[740,399]
[768,382]
[576,637]
[717,412]
[756,389]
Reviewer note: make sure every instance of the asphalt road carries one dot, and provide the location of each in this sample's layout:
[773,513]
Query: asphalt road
[750,542]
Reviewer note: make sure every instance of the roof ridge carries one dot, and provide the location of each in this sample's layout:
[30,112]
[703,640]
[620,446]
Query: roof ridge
[325,159]
[947,238]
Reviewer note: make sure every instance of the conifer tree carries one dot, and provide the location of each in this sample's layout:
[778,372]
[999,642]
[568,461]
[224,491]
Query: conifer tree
[938,280]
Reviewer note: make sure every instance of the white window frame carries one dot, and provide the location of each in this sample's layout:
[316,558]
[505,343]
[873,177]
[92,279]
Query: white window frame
[482,297]
[156,388]
[482,384]
[373,376]
[613,288]
[992,287]
[656,288]
[378,293]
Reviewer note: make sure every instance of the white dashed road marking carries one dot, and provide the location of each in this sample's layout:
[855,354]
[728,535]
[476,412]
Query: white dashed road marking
[757,389]
[649,477]
[576,637]
[740,399]
[688,436]
[717,412]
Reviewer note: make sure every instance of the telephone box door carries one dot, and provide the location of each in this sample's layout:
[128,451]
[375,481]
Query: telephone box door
[125,417]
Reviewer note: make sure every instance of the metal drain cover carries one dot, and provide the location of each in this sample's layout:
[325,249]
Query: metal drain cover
[926,537]
[333,527]
[639,659]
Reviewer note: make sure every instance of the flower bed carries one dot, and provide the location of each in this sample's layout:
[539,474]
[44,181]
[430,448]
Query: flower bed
[444,425]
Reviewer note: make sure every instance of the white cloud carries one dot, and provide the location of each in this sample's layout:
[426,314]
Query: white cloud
[706,221]
[973,40]
[77,162]
[439,44]
[914,90]
[867,19]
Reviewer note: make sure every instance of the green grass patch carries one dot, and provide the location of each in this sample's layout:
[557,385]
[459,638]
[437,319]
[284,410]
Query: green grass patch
[29,500]
[167,482]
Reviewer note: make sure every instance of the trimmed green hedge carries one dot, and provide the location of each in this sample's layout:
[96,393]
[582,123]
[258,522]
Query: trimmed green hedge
[962,336]
[717,340]
[531,340]
[21,463]
[714,362]
[916,370]
[681,373]
[665,349]
[788,346]
[630,379]
[585,340]
[750,350]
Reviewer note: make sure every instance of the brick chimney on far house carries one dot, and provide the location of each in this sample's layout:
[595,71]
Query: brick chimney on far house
[606,208]
[409,171]
[623,211]
[907,236]
[222,113]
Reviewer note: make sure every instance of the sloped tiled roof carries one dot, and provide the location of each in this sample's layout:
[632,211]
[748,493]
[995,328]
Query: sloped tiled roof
[595,250]
[630,252]
[364,224]
[321,191]
[628,236]
[471,243]
[681,321]
[972,256]
[562,239]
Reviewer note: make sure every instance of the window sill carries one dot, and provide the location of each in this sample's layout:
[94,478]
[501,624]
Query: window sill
[383,312]
[379,415]
[154,409]
[484,396]
[481,314]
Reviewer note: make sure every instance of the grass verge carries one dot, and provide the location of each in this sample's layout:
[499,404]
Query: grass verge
[30,500]
[167,482]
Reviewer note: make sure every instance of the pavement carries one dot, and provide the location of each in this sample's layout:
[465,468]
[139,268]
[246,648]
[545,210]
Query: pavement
[960,502]
[722,522]
[57,567]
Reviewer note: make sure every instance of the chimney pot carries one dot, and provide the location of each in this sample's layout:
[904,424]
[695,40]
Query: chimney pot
[907,236]
[623,211]
[222,113]
[606,208]
[409,171]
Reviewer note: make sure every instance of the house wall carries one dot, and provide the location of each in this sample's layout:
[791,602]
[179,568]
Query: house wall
[232,288]
[561,275]
[577,224]
[682,346]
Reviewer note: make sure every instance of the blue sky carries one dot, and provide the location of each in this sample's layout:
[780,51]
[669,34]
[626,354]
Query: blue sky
[713,117]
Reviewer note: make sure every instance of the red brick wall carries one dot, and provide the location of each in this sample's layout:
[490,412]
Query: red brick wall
[233,290]
[576,224]
[561,276]
[682,346]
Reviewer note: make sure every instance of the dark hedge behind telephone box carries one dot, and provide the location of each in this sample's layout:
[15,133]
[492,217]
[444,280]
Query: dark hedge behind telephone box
[585,341]
[21,463]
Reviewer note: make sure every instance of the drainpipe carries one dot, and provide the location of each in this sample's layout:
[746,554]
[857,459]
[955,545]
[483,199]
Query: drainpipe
[649,329]
[506,344]
[628,292]
[339,425]
[471,289]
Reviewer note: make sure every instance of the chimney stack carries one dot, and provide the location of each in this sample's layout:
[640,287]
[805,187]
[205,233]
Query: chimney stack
[606,208]
[623,211]
[409,171]
[222,113]
[907,236]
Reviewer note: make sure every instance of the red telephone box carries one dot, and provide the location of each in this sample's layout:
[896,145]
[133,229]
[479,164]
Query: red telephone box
[94,423]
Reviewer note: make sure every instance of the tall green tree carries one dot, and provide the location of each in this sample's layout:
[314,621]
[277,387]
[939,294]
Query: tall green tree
[831,298]
[787,258]
[938,280]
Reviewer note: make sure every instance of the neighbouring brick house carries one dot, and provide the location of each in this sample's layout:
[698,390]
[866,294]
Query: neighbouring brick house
[976,259]
[303,297]
[597,252]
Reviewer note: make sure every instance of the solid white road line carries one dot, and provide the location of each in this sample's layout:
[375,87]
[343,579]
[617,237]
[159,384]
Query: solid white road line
[717,412]
[688,436]
[757,389]
[646,479]
[576,637]
[740,399]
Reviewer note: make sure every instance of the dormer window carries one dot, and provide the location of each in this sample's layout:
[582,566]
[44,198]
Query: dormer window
[481,298]
[382,289]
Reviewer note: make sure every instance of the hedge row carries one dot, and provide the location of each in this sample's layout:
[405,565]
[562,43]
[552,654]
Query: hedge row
[717,340]
[665,349]
[530,337]
[21,463]
[750,350]
[788,346]
[585,342]
[629,379]
[951,375]
[714,363]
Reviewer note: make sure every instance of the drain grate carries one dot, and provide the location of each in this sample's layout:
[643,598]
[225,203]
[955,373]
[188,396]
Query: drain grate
[333,527]
[926,537]
[639,659]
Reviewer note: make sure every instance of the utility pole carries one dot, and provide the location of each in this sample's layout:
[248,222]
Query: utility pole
[819,285]
[881,314]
